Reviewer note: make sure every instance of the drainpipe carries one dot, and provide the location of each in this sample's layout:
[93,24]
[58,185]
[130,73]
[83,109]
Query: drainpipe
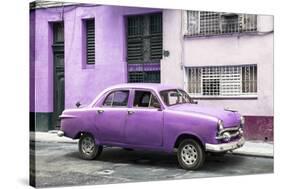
[182,49]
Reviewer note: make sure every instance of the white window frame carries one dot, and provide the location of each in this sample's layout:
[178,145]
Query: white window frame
[227,88]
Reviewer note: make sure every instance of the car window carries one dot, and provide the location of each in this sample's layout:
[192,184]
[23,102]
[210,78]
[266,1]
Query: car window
[117,98]
[145,99]
[175,96]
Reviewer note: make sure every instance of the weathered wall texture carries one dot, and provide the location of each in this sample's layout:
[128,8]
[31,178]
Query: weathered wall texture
[221,50]
[225,50]
[82,82]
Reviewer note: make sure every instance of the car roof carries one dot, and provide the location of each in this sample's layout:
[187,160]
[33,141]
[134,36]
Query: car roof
[153,86]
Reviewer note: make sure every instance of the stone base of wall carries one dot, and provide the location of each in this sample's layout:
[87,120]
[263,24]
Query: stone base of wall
[40,121]
[259,128]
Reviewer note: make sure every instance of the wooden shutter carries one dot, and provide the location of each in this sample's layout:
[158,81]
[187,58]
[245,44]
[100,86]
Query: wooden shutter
[134,43]
[156,36]
[90,38]
[144,47]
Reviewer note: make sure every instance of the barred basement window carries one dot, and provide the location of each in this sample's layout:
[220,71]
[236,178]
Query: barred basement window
[222,81]
[144,77]
[204,23]
[90,40]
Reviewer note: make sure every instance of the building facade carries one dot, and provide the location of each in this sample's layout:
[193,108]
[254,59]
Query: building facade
[77,50]
[223,59]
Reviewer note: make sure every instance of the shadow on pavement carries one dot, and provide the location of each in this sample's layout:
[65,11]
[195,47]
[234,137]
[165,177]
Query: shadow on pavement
[158,159]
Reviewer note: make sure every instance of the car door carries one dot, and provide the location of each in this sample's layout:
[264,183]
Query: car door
[145,120]
[111,116]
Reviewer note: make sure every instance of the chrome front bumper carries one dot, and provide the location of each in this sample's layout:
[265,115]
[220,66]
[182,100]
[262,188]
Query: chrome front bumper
[225,146]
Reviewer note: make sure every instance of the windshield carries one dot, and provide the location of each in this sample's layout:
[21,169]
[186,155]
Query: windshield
[175,96]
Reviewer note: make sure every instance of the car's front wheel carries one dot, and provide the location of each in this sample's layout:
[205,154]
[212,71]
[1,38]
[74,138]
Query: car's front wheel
[87,147]
[190,154]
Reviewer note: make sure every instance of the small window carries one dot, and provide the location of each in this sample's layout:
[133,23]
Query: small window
[58,32]
[174,97]
[117,98]
[205,23]
[90,40]
[145,99]
[222,81]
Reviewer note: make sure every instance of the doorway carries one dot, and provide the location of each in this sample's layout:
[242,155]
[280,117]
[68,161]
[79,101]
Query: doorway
[58,62]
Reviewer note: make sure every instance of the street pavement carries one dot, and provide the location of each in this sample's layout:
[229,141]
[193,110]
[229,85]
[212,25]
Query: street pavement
[59,164]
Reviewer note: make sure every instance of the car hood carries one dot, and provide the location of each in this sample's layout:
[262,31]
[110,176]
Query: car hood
[230,118]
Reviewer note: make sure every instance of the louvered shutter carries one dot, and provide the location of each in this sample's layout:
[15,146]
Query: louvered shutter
[135,32]
[90,38]
[156,36]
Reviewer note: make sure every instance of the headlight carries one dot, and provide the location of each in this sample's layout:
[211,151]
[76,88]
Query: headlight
[242,121]
[220,125]
[226,136]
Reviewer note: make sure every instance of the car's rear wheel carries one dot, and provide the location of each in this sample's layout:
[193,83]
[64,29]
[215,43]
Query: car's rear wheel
[190,154]
[87,147]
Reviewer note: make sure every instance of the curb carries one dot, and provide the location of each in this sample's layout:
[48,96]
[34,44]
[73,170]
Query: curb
[54,141]
[252,154]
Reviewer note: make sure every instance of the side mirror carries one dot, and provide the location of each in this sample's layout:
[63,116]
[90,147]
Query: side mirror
[156,105]
[78,104]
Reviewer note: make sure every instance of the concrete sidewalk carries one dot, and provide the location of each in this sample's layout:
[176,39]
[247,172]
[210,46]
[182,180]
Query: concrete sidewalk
[250,148]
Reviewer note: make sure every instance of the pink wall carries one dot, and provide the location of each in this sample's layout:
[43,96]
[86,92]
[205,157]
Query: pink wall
[237,50]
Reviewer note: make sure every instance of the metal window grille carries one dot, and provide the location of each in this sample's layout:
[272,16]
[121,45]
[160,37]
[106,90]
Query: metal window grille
[204,23]
[144,77]
[90,40]
[230,23]
[136,77]
[209,23]
[222,81]
[192,22]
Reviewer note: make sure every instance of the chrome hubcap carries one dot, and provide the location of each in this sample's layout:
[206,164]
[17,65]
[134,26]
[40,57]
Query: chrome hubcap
[88,145]
[189,154]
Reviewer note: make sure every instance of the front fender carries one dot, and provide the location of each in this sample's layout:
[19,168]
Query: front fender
[202,127]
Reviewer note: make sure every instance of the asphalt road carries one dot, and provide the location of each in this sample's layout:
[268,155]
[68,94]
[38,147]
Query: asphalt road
[59,164]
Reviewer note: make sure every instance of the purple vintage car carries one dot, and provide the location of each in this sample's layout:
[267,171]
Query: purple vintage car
[153,117]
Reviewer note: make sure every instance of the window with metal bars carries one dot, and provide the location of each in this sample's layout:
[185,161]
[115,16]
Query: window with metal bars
[144,77]
[90,40]
[222,81]
[204,23]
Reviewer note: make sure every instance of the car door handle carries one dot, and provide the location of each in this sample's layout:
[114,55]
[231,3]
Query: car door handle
[130,112]
[100,111]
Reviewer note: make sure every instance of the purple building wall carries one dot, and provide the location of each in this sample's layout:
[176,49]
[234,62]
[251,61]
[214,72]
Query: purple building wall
[82,82]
